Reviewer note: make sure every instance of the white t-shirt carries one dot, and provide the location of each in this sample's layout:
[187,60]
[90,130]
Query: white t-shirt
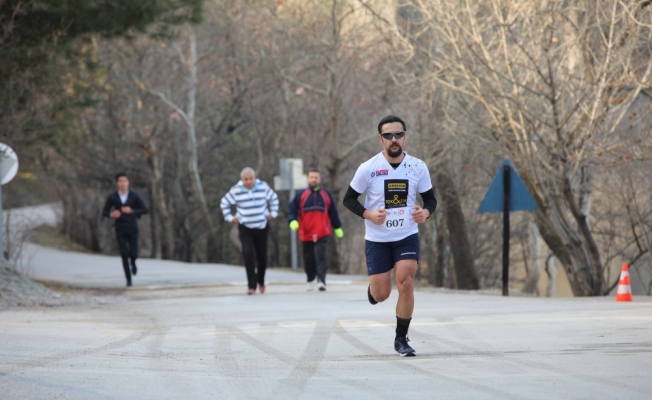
[123,197]
[394,190]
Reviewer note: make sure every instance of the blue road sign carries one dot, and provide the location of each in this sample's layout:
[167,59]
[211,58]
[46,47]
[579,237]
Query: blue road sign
[519,197]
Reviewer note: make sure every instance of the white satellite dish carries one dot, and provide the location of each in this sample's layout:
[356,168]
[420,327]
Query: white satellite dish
[8,163]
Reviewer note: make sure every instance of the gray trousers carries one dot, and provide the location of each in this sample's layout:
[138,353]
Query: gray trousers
[314,259]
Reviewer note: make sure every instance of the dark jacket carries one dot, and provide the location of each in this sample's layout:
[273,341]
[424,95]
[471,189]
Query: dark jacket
[316,212]
[126,221]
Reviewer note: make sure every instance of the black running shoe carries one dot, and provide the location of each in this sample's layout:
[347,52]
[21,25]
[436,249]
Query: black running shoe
[134,270]
[129,284]
[403,348]
[370,297]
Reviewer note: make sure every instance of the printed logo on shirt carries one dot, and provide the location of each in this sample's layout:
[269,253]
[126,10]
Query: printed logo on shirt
[382,172]
[373,174]
[396,193]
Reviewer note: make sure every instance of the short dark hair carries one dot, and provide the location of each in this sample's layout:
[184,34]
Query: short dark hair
[120,175]
[388,120]
[313,169]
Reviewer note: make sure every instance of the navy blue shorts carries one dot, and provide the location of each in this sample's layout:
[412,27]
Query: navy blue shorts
[381,257]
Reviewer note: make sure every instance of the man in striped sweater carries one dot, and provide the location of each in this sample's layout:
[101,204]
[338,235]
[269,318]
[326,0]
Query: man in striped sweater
[251,198]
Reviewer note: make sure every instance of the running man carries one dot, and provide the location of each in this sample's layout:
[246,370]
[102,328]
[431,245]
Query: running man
[314,214]
[125,206]
[250,196]
[391,180]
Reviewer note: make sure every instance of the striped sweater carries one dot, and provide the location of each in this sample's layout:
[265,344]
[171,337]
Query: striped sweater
[251,205]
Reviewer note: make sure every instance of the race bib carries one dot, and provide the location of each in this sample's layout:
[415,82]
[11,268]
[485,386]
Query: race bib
[396,196]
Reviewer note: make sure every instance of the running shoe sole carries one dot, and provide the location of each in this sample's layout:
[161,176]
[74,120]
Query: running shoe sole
[370,297]
[410,354]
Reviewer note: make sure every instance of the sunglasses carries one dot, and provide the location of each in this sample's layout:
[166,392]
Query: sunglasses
[390,135]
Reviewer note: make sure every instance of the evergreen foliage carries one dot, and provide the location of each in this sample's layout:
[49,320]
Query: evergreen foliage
[45,44]
[31,24]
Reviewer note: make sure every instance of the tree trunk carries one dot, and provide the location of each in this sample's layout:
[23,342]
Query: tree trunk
[334,264]
[193,163]
[459,240]
[565,230]
[234,238]
[428,235]
[434,252]
[154,230]
[188,116]
[551,270]
[440,266]
[535,259]
[159,206]
[182,246]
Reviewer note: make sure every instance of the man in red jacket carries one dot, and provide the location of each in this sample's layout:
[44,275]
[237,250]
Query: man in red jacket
[313,213]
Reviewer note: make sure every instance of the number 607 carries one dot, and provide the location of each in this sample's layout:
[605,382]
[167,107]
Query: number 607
[394,223]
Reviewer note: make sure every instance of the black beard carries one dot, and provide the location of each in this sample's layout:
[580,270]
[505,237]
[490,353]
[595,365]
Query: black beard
[394,154]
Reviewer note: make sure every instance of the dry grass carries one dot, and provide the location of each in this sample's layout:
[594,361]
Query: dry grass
[50,236]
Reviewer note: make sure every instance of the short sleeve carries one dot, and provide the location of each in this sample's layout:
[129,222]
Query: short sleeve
[360,182]
[424,181]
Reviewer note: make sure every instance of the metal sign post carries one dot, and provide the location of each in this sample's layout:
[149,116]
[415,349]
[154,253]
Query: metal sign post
[8,170]
[507,193]
[506,188]
[293,234]
[291,178]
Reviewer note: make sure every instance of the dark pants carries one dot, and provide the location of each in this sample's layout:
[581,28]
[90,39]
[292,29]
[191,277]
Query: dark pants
[314,259]
[128,243]
[254,252]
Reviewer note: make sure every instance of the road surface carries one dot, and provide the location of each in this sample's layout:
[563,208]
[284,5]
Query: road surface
[188,331]
[215,342]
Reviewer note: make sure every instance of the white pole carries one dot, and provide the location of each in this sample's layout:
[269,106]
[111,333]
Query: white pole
[293,234]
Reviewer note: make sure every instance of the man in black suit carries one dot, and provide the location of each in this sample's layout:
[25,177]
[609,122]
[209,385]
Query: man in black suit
[125,207]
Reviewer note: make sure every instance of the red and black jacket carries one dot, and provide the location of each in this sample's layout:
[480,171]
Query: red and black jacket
[316,212]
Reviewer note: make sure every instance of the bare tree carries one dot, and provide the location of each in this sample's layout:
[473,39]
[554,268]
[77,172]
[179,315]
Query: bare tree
[187,113]
[548,84]
[560,88]
[324,66]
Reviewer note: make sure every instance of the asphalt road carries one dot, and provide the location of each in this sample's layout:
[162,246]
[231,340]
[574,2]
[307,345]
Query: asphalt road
[215,342]
[188,331]
[100,271]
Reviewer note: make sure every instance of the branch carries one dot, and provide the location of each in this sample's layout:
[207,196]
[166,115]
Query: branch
[612,287]
[353,147]
[182,58]
[302,84]
[170,104]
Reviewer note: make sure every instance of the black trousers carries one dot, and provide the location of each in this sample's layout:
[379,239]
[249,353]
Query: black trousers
[128,243]
[314,259]
[254,252]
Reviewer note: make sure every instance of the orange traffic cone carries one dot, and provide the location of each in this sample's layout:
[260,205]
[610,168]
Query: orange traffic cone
[624,289]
